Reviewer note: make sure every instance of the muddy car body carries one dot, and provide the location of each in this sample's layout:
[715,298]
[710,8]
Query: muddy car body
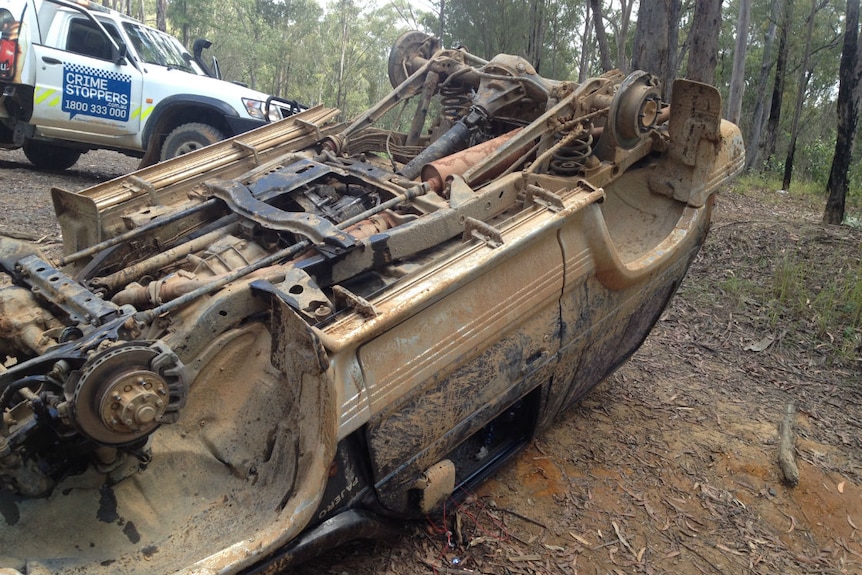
[289,338]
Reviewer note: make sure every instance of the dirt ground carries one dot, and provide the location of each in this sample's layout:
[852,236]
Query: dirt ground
[670,466]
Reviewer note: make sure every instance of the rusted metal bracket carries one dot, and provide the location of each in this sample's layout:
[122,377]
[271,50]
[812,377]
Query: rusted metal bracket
[241,201]
[543,197]
[312,125]
[589,188]
[248,148]
[82,305]
[146,186]
[479,230]
[362,306]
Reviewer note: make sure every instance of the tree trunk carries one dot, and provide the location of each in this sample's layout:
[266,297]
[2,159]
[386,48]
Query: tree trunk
[777,85]
[162,15]
[584,61]
[601,37]
[804,76]
[649,52]
[655,40]
[536,38]
[185,26]
[341,92]
[673,59]
[703,51]
[761,105]
[737,77]
[441,19]
[849,96]
[621,33]
[555,36]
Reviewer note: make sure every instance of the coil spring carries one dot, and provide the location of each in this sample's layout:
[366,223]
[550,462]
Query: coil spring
[456,102]
[569,160]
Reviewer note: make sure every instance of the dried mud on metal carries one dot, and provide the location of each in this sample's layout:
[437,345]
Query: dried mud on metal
[670,466]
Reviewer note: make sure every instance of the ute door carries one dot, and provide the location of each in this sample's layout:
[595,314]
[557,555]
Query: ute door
[81,85]
[466,365]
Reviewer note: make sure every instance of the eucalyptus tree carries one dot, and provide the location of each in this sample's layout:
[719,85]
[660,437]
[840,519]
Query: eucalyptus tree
[737,78]
[561,39]
[488,27]
[587,43]
[601,36]
[352,58]
[849,97]
[761,105]
[804,76]
[772,123]
[194,18]
[817,73]
[703,41]
[620,23]
[656,40]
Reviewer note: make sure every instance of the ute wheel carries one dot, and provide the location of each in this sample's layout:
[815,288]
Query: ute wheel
[408,46]
[188,138]
[635,109]
[47,156]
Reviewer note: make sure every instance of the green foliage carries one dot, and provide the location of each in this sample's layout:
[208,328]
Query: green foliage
[815,160]
[735,287]
[488,27]
[828,304]
[766,186]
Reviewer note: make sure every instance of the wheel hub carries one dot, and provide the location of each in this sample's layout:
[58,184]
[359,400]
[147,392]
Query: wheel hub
[126,392]
[134,402]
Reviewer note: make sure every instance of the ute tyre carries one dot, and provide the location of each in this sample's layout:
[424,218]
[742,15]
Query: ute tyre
[47,156]
[188,138]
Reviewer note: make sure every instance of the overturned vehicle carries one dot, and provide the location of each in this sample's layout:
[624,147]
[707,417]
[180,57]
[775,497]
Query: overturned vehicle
[295,336]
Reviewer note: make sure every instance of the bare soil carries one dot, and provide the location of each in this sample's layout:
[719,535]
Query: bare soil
[669,466]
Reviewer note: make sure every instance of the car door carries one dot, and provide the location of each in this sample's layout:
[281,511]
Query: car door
[79,87]
[470,362]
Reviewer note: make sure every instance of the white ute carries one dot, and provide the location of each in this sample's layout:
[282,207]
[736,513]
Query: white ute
[76,76]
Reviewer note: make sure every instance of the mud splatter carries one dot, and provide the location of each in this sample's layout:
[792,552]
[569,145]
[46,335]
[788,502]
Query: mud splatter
[9,509]
[132,532]
[107,512]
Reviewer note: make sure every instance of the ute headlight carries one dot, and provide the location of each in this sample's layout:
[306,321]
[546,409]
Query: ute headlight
[254,108]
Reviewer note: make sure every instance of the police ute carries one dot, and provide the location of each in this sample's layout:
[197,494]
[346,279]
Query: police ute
[76,76]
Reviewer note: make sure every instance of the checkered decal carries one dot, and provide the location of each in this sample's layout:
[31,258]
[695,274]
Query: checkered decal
[89,91]
[90,71]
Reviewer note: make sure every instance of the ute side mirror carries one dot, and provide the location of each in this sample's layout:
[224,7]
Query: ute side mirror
[216,68]
[119,53]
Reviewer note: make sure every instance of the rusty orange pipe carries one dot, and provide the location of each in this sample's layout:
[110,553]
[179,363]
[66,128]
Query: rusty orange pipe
[437,172]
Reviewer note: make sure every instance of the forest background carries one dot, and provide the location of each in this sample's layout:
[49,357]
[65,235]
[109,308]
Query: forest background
[776,62]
